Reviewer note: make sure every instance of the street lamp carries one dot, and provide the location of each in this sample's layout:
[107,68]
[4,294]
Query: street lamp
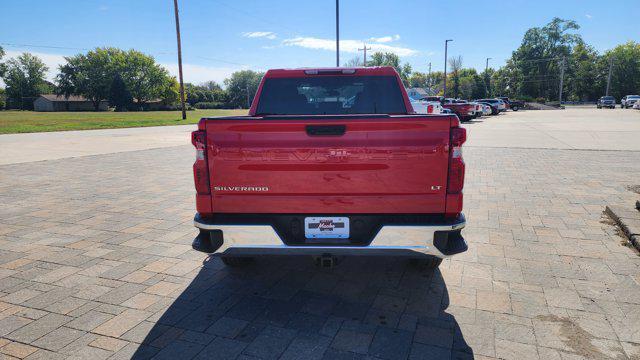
[444,91]
[337,33]
[486,73]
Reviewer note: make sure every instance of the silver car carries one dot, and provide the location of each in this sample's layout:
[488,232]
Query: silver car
[629,100]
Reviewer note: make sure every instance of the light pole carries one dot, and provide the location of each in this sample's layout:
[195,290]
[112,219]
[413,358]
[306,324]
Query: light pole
[184,112]
[444,90]
[609,76]
[486,73]
[337,33]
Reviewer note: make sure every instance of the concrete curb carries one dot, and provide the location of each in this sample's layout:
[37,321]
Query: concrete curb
[628,220]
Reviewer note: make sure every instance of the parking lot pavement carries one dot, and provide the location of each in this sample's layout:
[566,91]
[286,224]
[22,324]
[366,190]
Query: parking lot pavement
[95,262]
[583,128]
[20,148]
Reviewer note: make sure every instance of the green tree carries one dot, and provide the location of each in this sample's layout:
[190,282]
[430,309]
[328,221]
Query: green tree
[2,66]
[240,85]
[418,79]
[454,77]
[391,59]
[90,75]
[144,79]
[582,79]
[212,86]
[116,75]
[24,78]
[539,54]
[435,81]
[625,75]
[3,99]
[506,81]
[171,92]
[119,95]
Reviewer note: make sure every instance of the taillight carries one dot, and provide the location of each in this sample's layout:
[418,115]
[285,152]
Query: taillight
[429,109]
[456,163]
[200,169]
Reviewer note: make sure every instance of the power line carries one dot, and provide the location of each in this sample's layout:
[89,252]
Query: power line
[42,46]
[257,17]
[538,60]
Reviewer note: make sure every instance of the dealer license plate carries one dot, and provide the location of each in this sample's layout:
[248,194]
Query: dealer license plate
[326,227]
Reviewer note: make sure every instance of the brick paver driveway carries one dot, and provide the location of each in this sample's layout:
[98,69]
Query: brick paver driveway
[95,262]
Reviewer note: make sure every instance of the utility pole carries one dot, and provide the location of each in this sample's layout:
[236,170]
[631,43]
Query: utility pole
[561,80]
[365,48]
[609,76]
[184,111]
[486,73]
[429,77]
[337,33]
[444,90]
[248,99]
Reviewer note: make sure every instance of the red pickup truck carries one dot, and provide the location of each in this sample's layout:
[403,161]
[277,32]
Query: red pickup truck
[462,109]
[330,162]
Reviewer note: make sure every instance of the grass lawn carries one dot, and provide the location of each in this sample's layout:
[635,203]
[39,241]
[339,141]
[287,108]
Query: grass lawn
[12,122]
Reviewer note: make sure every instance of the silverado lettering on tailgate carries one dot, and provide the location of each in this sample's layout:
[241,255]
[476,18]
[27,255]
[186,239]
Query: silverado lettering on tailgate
[241,188]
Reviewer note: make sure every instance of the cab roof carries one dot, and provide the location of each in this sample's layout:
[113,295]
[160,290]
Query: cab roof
[353,71]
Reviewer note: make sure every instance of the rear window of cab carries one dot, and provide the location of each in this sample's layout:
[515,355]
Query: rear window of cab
[331,95]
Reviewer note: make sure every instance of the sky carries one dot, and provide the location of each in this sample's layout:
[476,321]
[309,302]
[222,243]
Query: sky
[222,36]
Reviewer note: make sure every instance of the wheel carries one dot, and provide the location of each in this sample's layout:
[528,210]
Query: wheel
[515,108]
[233,261]
[598,106]
[427,263]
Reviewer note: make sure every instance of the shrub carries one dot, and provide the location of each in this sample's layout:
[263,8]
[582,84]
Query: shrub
[209,105]
[540,100]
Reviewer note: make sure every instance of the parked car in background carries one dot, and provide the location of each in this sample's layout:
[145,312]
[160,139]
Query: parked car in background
[295,176]
[637,105]
[502,106]
[493,109]
[505,100]
[514,105]
[496,104]
[607,102]
[477,109]
[426,107]
[629,100]
[463,109]
[486,109]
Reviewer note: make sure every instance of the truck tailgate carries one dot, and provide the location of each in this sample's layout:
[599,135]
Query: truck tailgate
[329,164]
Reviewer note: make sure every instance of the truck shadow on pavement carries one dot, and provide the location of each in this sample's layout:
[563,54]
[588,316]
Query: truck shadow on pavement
[288,308]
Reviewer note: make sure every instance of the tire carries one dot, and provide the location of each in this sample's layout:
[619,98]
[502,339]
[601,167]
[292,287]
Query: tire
[428,263]
[233,261]
[515,108]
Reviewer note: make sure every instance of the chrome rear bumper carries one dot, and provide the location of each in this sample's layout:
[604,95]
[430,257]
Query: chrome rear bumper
[440,240]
